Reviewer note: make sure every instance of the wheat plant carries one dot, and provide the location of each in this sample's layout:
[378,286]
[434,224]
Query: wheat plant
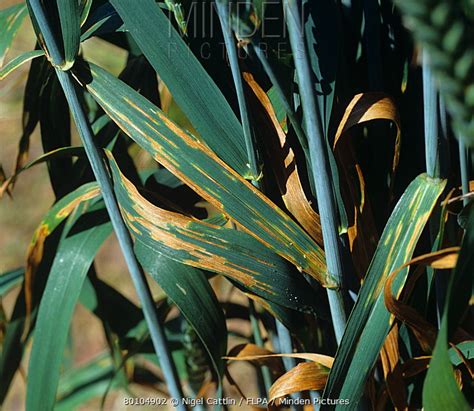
[288,183]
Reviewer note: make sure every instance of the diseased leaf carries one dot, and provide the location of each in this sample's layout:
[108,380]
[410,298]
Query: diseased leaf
[252,352]
[71,264]
[361,231]
[440,389]
[13,64]
[366,107]
[226,251]
[423,330]
[201,169]
[390,356]
[57,214]
[305,376]
[286,169]
[189,289]
[63,152]
[369,322]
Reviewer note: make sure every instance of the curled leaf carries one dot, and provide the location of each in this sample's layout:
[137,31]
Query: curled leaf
[305,376]
[361,230]
[423,330]
[194,163]
[251,352]
[286,170]
[199,243]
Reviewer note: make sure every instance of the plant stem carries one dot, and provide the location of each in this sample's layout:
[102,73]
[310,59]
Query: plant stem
[123,235]
[286,346]
[254,46]
[257,336]
[433,167]
[430,113]
[464,168]
[224,18]
[321,172]
[284,336]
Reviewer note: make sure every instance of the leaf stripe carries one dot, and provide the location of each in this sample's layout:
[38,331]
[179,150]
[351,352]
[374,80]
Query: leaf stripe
[194,163]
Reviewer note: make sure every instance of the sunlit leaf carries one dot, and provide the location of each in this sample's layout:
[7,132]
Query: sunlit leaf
[71,264]
[13,64]
[369,322]
[440,389]
[201,169]
[201,244]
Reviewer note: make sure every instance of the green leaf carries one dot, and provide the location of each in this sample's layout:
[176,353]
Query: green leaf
[189,289]
[23,58]
[467,350]
[201,244]
[71,264]
[192,162]
[10,21]
[69,17]
[192,88]
[369,322]
[440,390]
[84,383]
[103,20]
[10,279]
[85,10]
[62,209]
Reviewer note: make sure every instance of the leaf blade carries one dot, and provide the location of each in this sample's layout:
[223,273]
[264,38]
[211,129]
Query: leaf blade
[369,321]
[10,21]
[203,171]
[191,86]
[234,254]
[71,264]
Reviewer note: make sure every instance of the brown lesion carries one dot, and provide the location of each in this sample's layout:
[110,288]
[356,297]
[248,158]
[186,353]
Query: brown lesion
[69,208]
[362,232]
[171,229]
[284,166]
[312,254]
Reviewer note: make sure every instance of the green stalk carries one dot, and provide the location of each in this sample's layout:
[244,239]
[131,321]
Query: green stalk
[123,235]
[430,113]
[286,346]
[320,169]
[224,18]
[284,336]
[250,144]
[433,166]
[257,337]
[255,47]
[464,168]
